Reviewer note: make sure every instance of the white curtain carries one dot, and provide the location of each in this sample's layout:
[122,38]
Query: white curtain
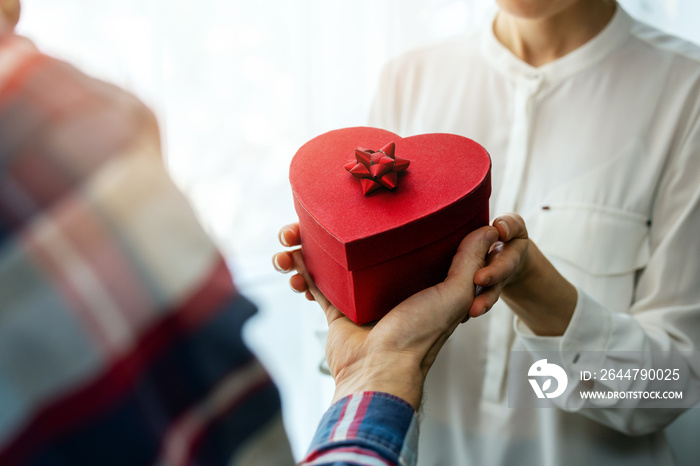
[237,87]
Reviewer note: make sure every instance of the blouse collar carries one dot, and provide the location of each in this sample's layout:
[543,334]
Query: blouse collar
[612,36]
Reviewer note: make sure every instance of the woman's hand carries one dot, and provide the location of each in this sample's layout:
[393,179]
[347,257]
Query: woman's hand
[528,282]
[394,354]
[506,262]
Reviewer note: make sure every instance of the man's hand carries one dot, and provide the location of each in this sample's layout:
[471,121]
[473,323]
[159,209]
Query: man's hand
[394,354]
[284,261]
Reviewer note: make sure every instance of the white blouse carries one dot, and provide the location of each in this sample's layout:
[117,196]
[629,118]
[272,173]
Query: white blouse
[599,151]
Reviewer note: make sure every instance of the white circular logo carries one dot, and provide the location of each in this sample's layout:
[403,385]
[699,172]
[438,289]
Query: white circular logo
[542,370]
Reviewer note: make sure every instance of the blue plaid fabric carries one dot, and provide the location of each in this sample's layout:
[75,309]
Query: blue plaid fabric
[120,325]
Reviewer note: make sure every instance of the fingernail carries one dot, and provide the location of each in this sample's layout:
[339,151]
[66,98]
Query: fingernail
[276,264]
[504,225]
[283,240]
[492,236]
[484,310]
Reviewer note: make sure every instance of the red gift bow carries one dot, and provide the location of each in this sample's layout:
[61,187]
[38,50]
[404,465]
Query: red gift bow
[377,169]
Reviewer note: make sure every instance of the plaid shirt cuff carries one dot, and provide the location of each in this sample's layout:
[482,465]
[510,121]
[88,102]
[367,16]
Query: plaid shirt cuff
[369,428]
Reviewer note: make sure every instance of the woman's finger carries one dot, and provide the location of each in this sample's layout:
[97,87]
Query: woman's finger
[501,262]
[485,300]
[510,226]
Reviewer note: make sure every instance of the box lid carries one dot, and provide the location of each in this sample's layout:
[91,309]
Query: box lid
[446,185]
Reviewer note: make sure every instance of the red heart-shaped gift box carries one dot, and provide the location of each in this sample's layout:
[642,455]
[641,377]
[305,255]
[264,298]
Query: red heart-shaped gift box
[367,253]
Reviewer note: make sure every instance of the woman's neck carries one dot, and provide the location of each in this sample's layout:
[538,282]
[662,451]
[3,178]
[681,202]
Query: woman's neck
[540,39]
